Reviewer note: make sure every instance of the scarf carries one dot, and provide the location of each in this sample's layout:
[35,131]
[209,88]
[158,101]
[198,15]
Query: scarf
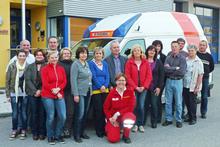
[19,68]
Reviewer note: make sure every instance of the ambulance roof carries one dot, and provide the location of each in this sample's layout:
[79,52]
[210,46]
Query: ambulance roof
[145,24]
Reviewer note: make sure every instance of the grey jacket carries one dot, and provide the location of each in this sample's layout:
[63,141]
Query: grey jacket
[111,67]
[80,79]
[10,78]
[30,79]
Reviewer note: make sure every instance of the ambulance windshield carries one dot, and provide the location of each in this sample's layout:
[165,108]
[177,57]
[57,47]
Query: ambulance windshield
[92,43]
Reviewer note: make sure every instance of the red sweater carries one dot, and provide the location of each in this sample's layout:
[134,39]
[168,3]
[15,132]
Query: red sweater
[115,103]
[131,71]
[52,77]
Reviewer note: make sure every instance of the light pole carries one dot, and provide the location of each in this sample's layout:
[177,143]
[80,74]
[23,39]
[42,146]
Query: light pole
[23,21]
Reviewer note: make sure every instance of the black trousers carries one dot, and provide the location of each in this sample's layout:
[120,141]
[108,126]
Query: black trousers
[98,101]
[190,101]
[69,100]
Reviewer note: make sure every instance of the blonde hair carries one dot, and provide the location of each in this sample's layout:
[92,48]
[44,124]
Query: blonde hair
[97,49]
[136,46]
[51,53]
[64,49]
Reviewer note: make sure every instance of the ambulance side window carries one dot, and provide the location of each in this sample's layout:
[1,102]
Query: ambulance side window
[126,50]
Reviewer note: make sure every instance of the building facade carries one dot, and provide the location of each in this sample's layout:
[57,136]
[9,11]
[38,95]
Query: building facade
[11,30]
[208,13]
[68,19]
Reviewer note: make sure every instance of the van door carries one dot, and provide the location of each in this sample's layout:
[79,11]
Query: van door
[126,50]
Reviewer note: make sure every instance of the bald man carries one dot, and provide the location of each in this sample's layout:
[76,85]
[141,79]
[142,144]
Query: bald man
[24,45]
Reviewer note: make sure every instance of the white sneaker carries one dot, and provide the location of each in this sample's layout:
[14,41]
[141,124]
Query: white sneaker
[141,129]
[135,128]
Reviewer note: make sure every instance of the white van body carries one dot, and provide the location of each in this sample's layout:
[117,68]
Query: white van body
[143,29]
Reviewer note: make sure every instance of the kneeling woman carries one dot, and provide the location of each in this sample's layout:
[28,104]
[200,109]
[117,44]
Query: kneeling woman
[118,108]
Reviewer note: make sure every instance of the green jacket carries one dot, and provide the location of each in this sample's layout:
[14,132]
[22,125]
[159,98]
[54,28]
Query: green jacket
[30,76]
[10,78]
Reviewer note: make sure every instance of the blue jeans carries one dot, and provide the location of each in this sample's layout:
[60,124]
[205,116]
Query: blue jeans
[52,105]
[38,116]
[139,110]
[19,112]
[204,95]
[174,88]
[81,109]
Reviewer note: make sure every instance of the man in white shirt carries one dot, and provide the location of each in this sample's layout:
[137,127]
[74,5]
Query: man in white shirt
[24,45]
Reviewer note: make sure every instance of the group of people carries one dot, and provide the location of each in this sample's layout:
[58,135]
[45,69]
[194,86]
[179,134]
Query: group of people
[56,93]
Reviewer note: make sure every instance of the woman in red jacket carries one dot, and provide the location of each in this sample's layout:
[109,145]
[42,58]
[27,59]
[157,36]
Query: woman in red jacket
[118,108]
[53,84]
[138,72]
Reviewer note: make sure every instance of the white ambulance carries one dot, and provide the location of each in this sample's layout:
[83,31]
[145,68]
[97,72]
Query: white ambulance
[143,29]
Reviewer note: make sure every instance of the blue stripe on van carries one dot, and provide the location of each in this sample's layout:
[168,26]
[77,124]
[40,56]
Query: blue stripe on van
[122,30]
[89,29]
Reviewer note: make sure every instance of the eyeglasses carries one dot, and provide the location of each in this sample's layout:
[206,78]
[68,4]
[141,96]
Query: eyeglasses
[121,80]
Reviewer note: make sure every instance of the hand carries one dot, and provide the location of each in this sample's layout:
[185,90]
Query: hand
[38,93]
[102,89]
[55,90]
[141,89]
[114,122]
[111,87]
[60,96]
[8,99]
[115,116]
[157,91]
[167,65]
[76,99]
[196,90]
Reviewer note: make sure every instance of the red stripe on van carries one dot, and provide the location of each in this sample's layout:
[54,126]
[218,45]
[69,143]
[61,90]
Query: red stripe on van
[190,32]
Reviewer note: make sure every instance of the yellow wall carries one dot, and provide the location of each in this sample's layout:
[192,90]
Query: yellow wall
[31,2]
[38,14]
[4,39]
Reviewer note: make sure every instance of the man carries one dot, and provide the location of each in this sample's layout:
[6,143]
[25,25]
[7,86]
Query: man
[208,64]
[175,68]
[53,44]
[181,43]
[24,45]
[116,62]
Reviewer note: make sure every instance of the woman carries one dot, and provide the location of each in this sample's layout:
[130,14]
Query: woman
[66,61]
[138,72]
[33,89]
[100,83]
[53,83]
[15,93]
[156,85]
[159,47]
[81,87]
[192,82]
[118,107]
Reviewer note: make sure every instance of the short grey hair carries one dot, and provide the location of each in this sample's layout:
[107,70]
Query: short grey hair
[192,46]
[113,42]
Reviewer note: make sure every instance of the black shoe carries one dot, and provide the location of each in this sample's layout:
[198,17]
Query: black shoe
[193,122]
[51,141]
[60,139]
[78,139]
[187,120]
[203,116]
[84,136]
[101,135]
[35,137]
[126,139]
[167,123]
[179,124]
[154,125]
[42,137]
[66,134]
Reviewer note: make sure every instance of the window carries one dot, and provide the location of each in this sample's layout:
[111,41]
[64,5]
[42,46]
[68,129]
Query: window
[126,50]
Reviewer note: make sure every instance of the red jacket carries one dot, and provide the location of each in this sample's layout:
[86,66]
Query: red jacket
[115,103]
[131,71]
[52,77]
